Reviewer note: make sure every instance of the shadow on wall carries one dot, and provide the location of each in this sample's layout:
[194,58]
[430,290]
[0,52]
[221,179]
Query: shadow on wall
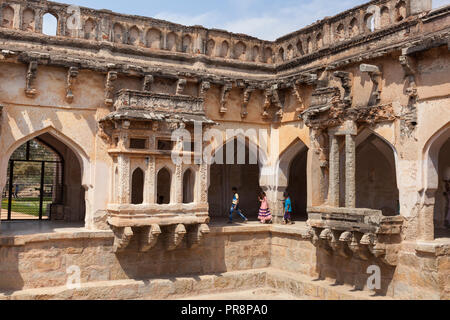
[352,271]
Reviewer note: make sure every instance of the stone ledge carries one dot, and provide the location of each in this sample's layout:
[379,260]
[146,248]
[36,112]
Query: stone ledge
[189,287]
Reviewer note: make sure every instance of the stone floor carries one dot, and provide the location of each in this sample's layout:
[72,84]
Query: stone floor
[18,228]
[17,216]
[263,294]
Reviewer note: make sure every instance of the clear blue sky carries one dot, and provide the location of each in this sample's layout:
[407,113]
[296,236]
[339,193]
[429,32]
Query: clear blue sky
[265,19]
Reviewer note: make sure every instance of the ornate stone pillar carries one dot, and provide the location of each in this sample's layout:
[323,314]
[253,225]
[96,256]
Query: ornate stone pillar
[123,189]
[178,184]
[150,181]
[203,189]
[350,171]
[333,191]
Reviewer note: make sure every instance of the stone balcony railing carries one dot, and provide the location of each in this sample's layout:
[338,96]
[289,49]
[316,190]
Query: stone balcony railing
[159,35]
[361,233]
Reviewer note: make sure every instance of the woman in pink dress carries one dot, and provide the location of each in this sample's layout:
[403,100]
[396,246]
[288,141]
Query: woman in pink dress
[264,212]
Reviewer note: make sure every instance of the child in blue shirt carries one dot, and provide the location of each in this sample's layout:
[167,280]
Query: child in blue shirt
[235,207]
[287,209]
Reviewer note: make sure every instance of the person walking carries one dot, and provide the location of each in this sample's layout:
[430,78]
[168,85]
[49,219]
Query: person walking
[235,206]
[287,209]
[265,216]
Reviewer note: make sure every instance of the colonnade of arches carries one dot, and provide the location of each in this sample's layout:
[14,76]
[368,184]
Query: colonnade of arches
[376,178]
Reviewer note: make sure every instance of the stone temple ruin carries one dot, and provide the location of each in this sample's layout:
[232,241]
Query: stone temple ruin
[356,108]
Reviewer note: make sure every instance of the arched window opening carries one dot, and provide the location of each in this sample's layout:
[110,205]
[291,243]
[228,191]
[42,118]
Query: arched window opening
[354,27]
[370,22]
[231,174]
[224,49]
[163,186]
[300,48]
[28,20]
[188,186]
[8,17]
[255,53]
[137,187]
[309,45]
[240,51]
[385,18]
[297,186]
[340,32]
[187,44]
[172,42]
[290,52]
[376,178]
[400,11]
[89,29]
[50,24]
[42,185]
[134,37]
[154,39]
[268,55]
[118,36]
[319,41]
[210,46]
[281,56]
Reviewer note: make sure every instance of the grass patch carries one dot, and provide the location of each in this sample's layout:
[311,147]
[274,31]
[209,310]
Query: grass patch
[29,206]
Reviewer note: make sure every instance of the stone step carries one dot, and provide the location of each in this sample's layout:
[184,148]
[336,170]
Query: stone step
[264,284]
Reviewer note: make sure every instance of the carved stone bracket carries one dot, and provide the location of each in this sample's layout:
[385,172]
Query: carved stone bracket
[31,92]
[247,94]
[226,88]
[181,85]
[149,238]
[409,117]
[109,88]
[122,238]
[272,98]
[196,234]
[360,233]
[175,236]
[147,82]
[203,89]
[376,76]
[346,82]
[72,74]
[298,97]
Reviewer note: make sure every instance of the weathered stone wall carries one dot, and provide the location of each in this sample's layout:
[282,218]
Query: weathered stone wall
[43,262]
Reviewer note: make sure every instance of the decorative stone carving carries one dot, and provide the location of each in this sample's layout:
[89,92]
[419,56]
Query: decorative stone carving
[409,114]
[272,98]
[360,233]
[109,87]
[147,82]
[376,77]
[175,236]
[122,238]
[224,94]
[203,89]
[149,237]
[181,85]
[196,234]
[247,94]
[298,97]
[31,92]
[346,82]
[71,76]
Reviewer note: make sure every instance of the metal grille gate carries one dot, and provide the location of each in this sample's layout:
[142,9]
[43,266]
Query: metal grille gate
[35,182]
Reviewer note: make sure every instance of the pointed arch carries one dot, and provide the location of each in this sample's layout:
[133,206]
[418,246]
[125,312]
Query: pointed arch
[50,24]
[137,186]
[189,182]
[376,174]
[164,186]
